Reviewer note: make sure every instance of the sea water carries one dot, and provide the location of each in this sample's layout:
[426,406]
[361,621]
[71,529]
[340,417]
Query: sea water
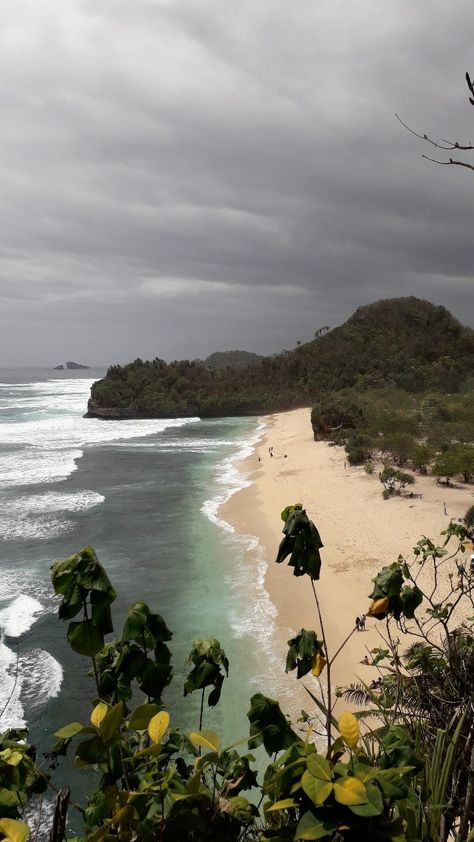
[146,495]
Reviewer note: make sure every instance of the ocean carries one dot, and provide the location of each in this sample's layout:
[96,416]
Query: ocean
[146,495]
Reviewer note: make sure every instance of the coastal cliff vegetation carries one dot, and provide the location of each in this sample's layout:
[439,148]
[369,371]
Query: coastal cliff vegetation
[400,768]
[428,433]
[403,343]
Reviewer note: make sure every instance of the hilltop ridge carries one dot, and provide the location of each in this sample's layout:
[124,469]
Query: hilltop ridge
[408,343]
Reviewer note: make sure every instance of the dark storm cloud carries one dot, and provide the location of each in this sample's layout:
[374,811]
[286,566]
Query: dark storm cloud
[184,176]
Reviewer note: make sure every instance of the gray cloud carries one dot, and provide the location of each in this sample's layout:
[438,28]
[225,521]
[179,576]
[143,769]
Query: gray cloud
[181,176]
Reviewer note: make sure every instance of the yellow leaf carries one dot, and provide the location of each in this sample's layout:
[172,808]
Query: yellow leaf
[350,791]
[158,725]
[348,728]
[11,756]
[205,739]
[98,714]
[284,804]
[378,608]
[14,831]
[318,664]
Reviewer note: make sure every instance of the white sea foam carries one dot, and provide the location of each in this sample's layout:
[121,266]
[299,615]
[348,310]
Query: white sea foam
[11,709]
[15,581]
[19,615]
[31,677]
[254,615]
[37,515]
[45,445]
[42,677]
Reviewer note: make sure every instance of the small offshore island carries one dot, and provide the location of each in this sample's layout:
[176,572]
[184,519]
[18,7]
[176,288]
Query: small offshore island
[70,366]
[403,343]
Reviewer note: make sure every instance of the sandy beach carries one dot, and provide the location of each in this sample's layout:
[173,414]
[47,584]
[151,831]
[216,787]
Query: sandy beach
[360,530]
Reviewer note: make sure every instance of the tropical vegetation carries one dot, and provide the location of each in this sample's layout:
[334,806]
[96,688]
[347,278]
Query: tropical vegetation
[402,343]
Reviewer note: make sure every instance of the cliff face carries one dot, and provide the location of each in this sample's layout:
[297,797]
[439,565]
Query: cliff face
[404,343]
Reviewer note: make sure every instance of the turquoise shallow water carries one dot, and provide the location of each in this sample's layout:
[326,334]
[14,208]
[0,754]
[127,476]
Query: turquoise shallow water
[145,494]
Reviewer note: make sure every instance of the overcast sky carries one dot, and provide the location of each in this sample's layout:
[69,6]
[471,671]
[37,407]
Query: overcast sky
[184,176]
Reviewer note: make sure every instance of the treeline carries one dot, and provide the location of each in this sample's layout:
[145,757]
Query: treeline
[402,343]
[428,432]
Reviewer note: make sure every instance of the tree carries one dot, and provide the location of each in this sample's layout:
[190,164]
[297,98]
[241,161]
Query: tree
[393,480]
[421,457]
[447,145]
[399,445]
[459,459]
[337,412]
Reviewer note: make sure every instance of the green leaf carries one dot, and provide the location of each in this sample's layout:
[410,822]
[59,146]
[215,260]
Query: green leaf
[309,827]
[302,542]
[411,598]
[374,807]
[69,731]
[319,767]
[315,788]
[9,798]
[141,716]
[302,650]
[136,621]
[388,582]
[85,638]
[268,725]
[111,723]
[90,752]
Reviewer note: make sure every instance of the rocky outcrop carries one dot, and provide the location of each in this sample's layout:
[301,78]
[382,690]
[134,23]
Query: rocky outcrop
[71,365]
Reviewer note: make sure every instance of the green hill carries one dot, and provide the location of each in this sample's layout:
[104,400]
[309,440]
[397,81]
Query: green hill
[405,343]
[232,359]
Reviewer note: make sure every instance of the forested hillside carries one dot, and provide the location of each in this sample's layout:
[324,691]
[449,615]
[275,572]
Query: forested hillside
[406,343]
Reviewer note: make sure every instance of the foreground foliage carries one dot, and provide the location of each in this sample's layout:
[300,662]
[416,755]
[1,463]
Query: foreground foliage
[400,769]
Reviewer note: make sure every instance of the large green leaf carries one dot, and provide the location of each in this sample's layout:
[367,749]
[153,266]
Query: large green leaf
[110,724]
[302,649]
[141,716]
[309,827]
[268,725]
[136,622]
[69,731]
[85,638]
[302,542]
[319,767]
[316,789]
[374,807]
[90,752]
[388,582]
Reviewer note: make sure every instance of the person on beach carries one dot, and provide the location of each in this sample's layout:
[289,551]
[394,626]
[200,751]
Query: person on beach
[362,623]
[357,622]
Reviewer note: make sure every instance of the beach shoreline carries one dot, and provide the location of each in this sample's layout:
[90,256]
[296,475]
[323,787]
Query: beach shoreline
[360,530]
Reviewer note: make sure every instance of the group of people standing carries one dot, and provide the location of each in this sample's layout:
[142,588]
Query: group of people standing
[360,623]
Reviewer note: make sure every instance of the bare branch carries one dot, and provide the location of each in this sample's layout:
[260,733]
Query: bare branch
[449,163]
